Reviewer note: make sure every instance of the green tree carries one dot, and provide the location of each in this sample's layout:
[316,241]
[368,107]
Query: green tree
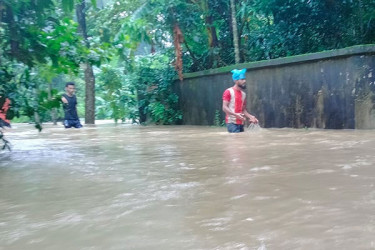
[116,97]
[87,66]
[34,38]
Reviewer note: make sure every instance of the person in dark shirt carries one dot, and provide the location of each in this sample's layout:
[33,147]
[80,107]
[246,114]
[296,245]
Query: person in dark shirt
[69,100]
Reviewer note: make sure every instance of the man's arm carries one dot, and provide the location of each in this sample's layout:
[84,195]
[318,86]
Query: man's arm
[63,99]
[252,118]
[65,103]
[229,112]
[6,106]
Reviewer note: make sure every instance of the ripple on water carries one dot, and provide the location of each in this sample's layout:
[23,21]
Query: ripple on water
[323,171]
[216,224]
[359,162]
[264,168]
[238,197]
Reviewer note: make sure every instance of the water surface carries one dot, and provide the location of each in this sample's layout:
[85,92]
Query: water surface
[187,187]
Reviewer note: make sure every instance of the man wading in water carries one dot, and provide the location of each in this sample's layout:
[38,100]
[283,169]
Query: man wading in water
[4,106]
[234,103]
[69,100]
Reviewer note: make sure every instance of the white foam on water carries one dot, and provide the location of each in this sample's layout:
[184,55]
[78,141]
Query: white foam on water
[346,167]
[216,224]
[260,198]
[358,163]
[253,128]
[264,168]
[323,171]
[262,247]
[238,197]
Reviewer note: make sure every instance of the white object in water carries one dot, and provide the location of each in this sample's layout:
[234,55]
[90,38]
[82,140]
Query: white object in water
[253,127]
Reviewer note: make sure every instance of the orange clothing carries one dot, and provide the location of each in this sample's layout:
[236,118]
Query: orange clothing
[4,109]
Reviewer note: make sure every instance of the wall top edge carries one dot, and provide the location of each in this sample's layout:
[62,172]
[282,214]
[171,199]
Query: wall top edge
[323,55]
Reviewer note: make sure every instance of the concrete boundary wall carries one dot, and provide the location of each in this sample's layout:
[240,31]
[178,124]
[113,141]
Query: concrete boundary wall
[331,89]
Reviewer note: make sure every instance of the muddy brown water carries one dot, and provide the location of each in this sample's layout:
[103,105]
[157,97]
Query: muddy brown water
[187,187]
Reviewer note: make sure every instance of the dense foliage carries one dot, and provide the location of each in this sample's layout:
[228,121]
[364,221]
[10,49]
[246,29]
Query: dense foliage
[138,48]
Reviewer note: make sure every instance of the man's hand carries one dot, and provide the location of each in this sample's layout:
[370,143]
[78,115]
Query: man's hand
[63,99]
[240,116]
[253,119]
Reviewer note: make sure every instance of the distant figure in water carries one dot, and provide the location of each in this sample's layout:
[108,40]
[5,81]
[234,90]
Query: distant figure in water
[234,103]
[69,100]
[4,106]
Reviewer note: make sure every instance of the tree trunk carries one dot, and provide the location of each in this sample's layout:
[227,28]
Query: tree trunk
[213,41]
[37,118]
[90,95]
[211,31]
[360,11]
[14,38]
[142,104]
[89,73]
[235,32]
[53,111]
[81,18]
[178,39]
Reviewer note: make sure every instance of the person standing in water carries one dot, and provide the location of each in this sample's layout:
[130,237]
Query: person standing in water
[4,106]
[69,100]
[234,103]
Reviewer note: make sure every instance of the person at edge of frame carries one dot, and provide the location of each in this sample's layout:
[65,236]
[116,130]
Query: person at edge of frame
[69,100]
[4,107]
[234,103]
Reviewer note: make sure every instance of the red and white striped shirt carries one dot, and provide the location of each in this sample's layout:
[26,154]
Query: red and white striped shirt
[4,109]
[237,103]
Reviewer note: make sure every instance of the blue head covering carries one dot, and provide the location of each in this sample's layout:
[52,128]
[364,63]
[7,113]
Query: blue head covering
[238,74]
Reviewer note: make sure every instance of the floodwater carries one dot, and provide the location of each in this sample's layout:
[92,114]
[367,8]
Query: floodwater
[187,187]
